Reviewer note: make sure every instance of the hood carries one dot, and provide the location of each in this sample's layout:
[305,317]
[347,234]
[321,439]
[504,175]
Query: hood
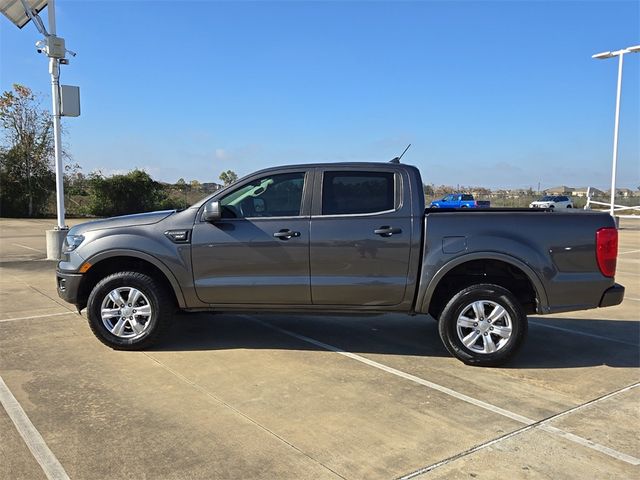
[123,221]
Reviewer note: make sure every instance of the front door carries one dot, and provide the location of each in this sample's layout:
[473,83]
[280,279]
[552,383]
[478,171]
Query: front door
[258,253]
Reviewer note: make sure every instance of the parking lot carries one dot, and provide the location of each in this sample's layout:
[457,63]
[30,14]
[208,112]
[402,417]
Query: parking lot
[285,396]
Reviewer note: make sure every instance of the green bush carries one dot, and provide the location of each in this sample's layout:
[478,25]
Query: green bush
[133,192]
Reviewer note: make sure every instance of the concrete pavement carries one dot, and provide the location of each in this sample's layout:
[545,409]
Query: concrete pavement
[285,396]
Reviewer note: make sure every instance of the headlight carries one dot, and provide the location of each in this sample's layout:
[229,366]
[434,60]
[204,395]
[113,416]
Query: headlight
[71,242]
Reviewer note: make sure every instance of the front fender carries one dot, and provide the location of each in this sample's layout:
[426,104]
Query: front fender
[122,252]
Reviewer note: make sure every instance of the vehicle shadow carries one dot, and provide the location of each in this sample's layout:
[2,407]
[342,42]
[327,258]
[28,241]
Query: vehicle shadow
[395,334]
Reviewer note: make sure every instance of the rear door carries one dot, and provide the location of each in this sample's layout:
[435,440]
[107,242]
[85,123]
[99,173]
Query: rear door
[360,237]
[258,253]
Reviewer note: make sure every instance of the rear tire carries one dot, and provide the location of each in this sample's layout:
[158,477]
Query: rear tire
[483,325]
[129,310]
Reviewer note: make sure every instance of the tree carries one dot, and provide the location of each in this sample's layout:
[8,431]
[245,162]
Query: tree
[75,182]
[133,192]
[428,190]
[26,153]
[182,186]
[228,177]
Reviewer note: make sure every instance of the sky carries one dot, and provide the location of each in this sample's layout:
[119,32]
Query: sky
[500,94]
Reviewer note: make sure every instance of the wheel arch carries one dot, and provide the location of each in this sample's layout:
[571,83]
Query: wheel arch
[106,263]
[441,283]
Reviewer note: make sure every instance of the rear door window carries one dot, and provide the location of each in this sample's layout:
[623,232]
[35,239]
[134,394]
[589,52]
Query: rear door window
[349,193]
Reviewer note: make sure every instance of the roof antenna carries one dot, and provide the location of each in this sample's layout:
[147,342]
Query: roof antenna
[397,159]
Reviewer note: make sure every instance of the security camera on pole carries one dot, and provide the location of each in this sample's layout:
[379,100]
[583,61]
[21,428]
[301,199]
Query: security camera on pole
[65,99]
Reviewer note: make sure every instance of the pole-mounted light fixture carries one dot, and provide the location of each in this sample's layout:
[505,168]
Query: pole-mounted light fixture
[600,56]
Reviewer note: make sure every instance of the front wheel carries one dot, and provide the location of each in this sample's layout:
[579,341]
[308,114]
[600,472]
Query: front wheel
[483,325]
[129,310]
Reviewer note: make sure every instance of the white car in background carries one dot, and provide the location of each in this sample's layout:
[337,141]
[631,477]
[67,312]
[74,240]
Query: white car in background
[552,201]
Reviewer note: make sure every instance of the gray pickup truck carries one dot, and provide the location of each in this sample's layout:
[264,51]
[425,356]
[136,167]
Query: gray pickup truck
[344,237]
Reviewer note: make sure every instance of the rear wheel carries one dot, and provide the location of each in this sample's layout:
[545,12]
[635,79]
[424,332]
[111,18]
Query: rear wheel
[129,310]
[483,325]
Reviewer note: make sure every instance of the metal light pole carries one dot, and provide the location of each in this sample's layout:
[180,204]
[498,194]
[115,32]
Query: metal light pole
[54,70]
[21,12]
[620,55]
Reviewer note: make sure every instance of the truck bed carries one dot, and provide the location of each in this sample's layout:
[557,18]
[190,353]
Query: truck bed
[555,251]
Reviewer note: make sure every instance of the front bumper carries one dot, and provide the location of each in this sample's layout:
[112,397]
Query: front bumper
[68,285]
[612,296]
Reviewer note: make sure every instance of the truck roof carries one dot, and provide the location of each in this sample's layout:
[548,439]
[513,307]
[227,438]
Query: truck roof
[360,165]
[339,164]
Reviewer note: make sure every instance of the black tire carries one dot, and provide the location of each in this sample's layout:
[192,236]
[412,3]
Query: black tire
[569,206]
[154,294]
[460,303]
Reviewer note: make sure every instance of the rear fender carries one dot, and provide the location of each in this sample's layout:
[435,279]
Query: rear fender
[424,299]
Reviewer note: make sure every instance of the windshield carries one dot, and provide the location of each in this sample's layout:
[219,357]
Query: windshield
[546,198]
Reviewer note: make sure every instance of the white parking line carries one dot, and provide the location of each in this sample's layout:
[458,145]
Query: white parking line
[628,251]
[29,248]
[631,298]
[584,334]
[460,396]
[39,449]
[482,446]
[37,316]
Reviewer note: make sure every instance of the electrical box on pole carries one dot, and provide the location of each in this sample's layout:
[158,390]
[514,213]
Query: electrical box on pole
[69,101]
[55,47]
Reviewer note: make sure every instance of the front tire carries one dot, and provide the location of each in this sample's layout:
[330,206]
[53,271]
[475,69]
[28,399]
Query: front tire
[129,310]
[483,325]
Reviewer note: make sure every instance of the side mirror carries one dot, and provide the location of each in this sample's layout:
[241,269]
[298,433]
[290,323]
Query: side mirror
[212,212]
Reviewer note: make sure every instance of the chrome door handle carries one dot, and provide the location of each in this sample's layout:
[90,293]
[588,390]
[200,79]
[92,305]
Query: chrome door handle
[286,234]
[386,231]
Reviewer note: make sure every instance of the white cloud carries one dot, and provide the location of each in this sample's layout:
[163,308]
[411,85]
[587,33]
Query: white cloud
[221,154]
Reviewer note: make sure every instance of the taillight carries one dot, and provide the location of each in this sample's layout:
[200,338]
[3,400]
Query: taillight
[607,250]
